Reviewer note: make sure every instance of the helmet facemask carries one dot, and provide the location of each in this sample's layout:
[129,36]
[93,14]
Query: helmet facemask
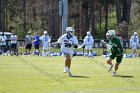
[70,32]
[109,37]
[69,35]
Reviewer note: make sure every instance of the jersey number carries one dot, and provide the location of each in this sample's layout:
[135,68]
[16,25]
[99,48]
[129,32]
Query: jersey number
[68,45]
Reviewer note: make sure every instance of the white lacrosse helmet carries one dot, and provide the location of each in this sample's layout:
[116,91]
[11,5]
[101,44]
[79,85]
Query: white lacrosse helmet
[88,33]
[45,32]
[135,33]
[70,30]
[110,34]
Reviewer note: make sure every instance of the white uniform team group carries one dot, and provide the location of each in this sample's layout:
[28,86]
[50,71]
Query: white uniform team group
[68,41]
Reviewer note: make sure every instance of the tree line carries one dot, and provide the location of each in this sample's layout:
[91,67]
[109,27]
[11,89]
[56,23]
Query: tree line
[97,16]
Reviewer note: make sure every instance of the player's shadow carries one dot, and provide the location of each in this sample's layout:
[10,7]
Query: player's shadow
[125,76]
[74,76]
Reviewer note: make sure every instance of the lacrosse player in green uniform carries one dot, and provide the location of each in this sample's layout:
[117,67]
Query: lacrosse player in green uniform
[116,47]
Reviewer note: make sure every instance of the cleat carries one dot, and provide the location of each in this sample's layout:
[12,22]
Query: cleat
[114,73]
[70,74]
[65,70]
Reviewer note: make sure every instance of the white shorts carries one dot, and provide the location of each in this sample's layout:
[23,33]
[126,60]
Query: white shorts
[88,47]
[65,52]
[134,47]
[45,47]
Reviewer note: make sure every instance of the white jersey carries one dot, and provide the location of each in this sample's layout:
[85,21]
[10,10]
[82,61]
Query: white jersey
[134,41]
[3,40]
[88,40]
[64,40]
[13,39]
[45,41]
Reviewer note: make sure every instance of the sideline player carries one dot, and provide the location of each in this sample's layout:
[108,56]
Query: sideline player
[3,39]
[13,49]
[36,43]
[88,43]
[116,50]
[28,43]
[134,42]
[68,41]
[45,42]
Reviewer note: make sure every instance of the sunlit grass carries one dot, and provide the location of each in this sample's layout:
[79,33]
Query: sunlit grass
[45,75]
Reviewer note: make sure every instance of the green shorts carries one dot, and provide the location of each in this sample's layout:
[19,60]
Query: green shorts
[118,58]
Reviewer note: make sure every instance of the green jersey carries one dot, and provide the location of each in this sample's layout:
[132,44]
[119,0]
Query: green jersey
[117,47]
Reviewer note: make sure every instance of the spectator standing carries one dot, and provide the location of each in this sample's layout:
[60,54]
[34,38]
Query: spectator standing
[3,39]
[13,48]
[36,43]
[28,43]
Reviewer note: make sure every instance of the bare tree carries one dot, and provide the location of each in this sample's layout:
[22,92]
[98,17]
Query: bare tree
[123,18]
[106,17]
[92,6]
[24,15]
[2,15]
[85,17]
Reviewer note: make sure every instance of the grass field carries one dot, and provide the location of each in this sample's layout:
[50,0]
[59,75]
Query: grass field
[45,75]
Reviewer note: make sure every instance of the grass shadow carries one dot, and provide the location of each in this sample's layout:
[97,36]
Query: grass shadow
[80,76]
[124,76]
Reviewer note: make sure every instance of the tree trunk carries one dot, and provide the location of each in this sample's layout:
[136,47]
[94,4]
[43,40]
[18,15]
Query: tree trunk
[118,11]
[93,31]
[129,9]
[56,20]
[24,16]
[86,20]
[6,16]
[78,20]
[51,20]
[124,20]
[125,11]
[2,15]
[106,18]
[100,19]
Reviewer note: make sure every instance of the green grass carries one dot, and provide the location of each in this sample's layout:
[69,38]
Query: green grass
[45,75]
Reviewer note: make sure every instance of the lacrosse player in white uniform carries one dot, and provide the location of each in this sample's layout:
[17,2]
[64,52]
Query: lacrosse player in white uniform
[134,42]
[45,43]
[88,43]
[68,41]
[3,39]
[13,49]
